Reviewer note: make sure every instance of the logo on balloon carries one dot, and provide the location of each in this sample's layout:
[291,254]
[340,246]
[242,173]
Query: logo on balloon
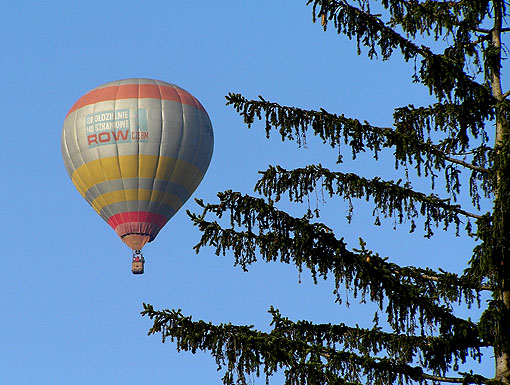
[110,127]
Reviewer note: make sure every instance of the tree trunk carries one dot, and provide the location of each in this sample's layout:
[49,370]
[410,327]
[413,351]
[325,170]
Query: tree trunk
[501,350]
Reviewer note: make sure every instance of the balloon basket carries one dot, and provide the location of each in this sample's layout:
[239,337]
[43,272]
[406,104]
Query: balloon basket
[137,267]
[137,264]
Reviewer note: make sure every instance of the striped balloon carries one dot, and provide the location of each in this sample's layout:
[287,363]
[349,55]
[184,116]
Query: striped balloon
[136,150]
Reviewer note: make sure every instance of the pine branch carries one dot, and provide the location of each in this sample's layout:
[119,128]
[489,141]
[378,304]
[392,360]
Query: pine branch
[390,198]
[466,164]
[481,39]
[243,351]
[293,122]
[408,140]
[276,235]
[457,20]
[433,353]
[442,18]
[442,74]
[458,380]
[461,123]
[368,29]
[438,279]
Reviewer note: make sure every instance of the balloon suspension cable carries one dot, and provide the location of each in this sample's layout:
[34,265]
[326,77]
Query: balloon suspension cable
[138,256]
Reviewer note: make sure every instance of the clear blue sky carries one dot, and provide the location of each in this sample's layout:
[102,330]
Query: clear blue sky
[69,304]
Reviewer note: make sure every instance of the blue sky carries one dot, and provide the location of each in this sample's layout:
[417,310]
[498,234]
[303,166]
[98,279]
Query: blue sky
[70,305]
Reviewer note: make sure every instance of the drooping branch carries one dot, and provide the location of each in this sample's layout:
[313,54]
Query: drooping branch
[443,74]
[275,235]
[244,352]
[437,18]
[435,353]
[389,197]
[410,146]
[292,123]
[461,122]
[367,29]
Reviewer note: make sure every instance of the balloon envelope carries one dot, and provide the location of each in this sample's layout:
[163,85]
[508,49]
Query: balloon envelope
[136,150]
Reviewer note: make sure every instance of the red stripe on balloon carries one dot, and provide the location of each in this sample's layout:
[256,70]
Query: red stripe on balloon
[137,216]
[136,91]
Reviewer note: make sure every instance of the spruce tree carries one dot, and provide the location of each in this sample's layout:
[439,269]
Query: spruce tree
[460,144]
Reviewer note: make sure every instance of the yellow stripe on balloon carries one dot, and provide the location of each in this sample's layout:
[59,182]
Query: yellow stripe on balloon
[132,166]
[112,197]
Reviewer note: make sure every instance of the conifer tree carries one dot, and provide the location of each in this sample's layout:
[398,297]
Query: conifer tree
[461,144]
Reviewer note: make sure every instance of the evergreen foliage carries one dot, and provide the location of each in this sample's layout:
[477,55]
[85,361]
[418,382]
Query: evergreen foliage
[463,136]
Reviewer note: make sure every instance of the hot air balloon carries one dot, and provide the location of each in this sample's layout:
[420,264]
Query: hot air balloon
[136,149]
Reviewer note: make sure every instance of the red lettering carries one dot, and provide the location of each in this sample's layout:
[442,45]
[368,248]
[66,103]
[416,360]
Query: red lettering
[92,139]
[107,136]
[104,137]
[119,135]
